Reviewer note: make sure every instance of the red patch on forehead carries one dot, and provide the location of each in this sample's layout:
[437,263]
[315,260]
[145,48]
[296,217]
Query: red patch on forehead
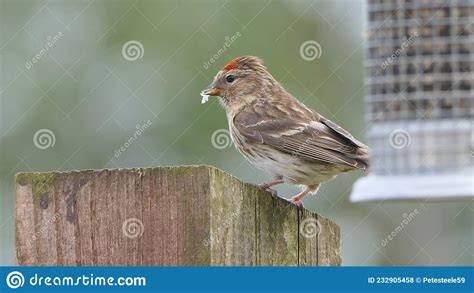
[231,65]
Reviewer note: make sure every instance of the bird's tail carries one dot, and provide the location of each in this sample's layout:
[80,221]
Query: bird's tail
[363,157]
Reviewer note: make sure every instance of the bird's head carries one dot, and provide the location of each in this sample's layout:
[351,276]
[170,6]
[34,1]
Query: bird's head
[241,81]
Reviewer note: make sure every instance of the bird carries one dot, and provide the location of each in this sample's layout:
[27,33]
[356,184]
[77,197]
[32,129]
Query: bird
[278,134]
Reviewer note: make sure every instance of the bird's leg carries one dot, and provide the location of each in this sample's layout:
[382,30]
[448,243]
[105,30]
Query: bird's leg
[266,185]
[297,198]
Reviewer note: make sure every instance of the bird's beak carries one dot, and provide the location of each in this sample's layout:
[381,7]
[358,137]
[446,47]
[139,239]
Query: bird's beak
[212,90]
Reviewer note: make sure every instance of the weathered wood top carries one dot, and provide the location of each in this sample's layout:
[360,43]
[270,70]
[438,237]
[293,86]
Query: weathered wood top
[187,215]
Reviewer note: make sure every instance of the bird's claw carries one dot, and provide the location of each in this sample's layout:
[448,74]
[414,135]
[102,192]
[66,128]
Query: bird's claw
[298,203]
[264,186]
[273,192]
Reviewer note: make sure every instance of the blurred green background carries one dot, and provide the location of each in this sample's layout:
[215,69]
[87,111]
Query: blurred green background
[91,98]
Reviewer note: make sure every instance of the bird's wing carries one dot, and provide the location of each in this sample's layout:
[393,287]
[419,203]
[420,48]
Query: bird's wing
[342,132]
[311,139]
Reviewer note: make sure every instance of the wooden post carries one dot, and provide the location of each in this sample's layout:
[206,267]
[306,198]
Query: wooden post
[166,216]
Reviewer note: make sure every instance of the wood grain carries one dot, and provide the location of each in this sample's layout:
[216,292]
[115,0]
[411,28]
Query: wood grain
[166,216]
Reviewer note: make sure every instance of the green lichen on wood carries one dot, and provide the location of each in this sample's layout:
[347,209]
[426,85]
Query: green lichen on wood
[184,170]
[40,182]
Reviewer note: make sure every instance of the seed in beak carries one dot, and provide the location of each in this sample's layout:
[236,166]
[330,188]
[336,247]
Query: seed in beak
[205,98]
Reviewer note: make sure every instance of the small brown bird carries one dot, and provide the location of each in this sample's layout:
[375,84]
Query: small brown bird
[278,133]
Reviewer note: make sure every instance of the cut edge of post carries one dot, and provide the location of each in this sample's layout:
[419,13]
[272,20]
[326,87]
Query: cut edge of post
[47,178]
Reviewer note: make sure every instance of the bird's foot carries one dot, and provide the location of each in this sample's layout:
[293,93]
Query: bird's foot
[273,192]
[296,201]
[266,187]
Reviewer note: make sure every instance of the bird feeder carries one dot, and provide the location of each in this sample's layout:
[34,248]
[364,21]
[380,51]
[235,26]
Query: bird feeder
[419,100]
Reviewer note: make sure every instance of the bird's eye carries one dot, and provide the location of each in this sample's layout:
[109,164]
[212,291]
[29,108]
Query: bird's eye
[230,78]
